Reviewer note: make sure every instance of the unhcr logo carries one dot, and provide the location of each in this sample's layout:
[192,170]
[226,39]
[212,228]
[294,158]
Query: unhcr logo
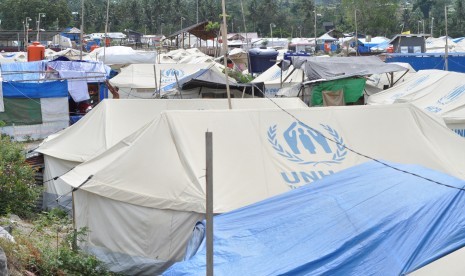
[304,145]
[417,82]
[452,95]
[172,73]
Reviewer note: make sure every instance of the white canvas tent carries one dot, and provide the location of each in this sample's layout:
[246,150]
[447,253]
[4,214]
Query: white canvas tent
[379,82]
[112,120]
[155,179]
[121,55]
[274,76]
[436,91]
[141,80]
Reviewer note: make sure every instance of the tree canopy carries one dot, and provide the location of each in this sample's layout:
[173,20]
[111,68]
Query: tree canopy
[292,18]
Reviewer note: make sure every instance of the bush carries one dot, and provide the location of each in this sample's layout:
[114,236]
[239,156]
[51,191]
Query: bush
[48,249]
[18,192]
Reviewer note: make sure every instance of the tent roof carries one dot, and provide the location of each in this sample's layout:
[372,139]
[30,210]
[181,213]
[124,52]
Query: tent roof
[112,120]
[342,67]
[357,224]
[436,91]
[174,146]
[198,30]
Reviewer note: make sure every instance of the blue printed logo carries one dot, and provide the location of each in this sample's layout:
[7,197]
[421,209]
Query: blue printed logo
[172,73]
[417,82]
[452,96]
[305,145]
[276,74]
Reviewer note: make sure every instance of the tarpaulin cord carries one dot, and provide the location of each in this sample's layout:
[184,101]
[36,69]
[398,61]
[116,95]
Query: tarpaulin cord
[361,154]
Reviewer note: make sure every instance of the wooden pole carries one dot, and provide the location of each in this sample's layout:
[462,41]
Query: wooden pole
[209,203]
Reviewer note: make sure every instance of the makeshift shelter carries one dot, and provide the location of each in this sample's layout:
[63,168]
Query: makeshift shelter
[320,70]
[436,91]
[350,223]
[155,179]
[31,106]
[109,123]
[342,67]
[210,83]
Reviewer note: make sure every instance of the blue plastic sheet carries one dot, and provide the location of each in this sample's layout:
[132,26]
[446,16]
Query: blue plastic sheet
[366,220]
[35,90]
[25,71]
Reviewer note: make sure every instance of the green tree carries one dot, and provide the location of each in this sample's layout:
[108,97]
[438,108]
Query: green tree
[14,12]
[18,192]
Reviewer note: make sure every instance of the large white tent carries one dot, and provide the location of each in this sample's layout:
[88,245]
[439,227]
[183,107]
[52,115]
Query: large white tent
[150,187]
[111,121]
[436,91]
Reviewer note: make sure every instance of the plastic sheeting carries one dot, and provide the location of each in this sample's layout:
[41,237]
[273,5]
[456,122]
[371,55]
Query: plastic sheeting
[342,67]
[16,71]
[27,90]
[95,71]
[21,112]
[366,220]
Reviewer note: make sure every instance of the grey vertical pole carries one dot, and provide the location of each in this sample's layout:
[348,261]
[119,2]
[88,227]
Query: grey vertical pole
[446,52]
[209,198]
[82,28]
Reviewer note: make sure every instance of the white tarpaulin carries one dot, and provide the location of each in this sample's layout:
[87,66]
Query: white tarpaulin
[439,92]
[112,120]
[257,154]
[274,76]
[122,55]
[136,76]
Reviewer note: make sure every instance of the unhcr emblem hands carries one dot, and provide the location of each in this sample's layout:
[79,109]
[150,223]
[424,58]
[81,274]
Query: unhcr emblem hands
[306,145]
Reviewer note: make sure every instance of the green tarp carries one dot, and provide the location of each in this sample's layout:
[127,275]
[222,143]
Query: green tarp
[352,87]
[21,112]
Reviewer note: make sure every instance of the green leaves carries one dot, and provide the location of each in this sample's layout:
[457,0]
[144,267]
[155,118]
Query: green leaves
[18,192]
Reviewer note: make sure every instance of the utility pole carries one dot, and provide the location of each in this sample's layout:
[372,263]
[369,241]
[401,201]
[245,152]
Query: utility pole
[225,50]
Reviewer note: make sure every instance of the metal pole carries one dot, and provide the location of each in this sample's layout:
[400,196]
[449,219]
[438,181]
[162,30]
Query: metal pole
[225,50]
[356,34]
[432,22]
[446,52]
[423,22]
[106,31]
[209,199]
[314,12]
[38,28]
[197,11]
[82,29]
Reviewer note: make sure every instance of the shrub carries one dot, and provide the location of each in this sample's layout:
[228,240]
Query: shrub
[18,192]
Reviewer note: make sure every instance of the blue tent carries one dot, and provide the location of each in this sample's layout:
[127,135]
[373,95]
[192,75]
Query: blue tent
[367,220]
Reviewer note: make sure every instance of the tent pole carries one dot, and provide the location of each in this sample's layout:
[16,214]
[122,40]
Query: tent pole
[159,86]
[177,82]
[285,79]
[155,75]
[82,29]
[225,50]
[106,31]
[209,203]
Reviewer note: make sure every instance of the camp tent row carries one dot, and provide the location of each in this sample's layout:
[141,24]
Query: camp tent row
[154,179]
[436,91]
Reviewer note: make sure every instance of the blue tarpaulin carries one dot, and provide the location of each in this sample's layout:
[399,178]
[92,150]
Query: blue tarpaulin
[26,71]
[367,220]
[35,90]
